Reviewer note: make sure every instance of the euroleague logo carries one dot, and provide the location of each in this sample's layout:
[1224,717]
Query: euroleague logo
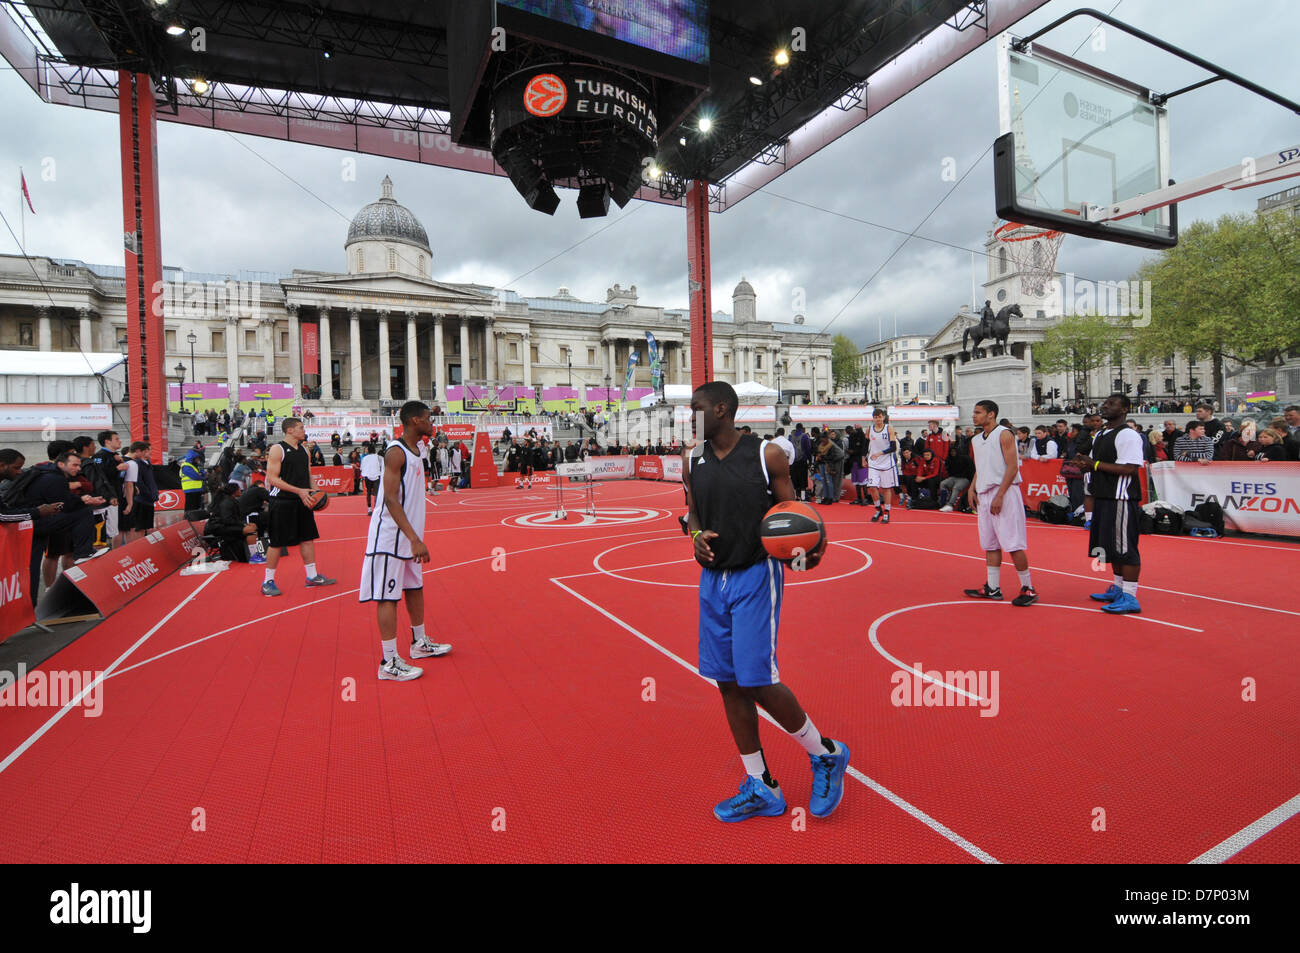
[545,95]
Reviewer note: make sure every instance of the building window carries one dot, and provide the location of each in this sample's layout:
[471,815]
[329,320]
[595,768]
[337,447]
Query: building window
[591,355]
[1169,360]
[514,350]
[284,341]
[420,264]
[1002,261]
[1169,385]
[1191,363]
[392,260]
[904,388]
[532,354]
[170,337]
[923,389]
[803,367]
[218,341]
[25,335]
[361,259]
[758,362]
[726,360]
[250,340]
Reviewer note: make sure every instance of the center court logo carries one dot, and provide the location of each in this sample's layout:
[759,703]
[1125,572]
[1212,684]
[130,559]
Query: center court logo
[917,688]
[545,95]
[613,516]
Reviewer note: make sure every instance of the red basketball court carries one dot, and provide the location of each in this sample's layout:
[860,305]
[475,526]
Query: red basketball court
[569,724]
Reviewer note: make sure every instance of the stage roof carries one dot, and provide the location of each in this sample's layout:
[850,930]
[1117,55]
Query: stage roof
[384,88]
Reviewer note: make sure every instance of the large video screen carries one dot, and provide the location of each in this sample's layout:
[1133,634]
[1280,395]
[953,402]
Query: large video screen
[677,28]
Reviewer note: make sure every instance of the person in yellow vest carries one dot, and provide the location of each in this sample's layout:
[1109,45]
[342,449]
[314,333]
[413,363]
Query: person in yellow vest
[192,480]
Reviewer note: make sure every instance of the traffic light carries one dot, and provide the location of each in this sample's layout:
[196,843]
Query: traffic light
[1128,388]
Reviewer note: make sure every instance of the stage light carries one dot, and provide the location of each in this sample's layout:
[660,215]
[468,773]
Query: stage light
[200,86]
[782,58]
[682,140]
[654,171]
[176,30]
[705,124]
[756,81]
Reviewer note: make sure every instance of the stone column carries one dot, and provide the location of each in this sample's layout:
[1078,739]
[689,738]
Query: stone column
[326,359]
[87,336]
[44,337]
[1029,369]
[610,344]
[439,363]
[464,349]
[527,356]
[412,362]
[232,353]
[490,350]
[385,362]
[295,351]
[354,358]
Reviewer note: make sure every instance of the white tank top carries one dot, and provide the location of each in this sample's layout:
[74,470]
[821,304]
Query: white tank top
[990,465]
[879,443]
[384,536]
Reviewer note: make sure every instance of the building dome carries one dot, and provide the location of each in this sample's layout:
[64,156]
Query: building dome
[386,220]
[744,288]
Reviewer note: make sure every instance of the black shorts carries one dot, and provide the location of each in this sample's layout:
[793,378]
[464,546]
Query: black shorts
[1113,534]
[140,517]
[372,487]
[291,523]
[58,544]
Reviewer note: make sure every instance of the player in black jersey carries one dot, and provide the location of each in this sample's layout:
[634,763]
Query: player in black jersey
[292,523]
[525,479]
[1115,466]
[731,481]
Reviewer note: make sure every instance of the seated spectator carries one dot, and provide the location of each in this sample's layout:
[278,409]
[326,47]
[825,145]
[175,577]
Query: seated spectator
[1042,446]
[1156,443]
[929,473]
[908,467]
[952,489]
[1023,442]
[1194,445]
[226,523]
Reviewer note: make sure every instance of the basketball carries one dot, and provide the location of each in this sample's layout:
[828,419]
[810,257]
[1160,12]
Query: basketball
[320,500]
[792,526]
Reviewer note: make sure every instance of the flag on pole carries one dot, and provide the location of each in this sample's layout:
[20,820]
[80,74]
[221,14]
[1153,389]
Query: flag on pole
[26,194]
[632,360]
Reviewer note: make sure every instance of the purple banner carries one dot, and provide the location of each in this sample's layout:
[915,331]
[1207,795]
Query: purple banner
[250,392]
[199,392]
[559,393]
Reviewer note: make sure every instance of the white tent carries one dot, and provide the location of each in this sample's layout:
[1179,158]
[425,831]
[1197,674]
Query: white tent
[752,391]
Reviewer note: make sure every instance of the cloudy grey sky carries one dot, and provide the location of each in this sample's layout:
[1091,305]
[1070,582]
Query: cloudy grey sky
[233,202]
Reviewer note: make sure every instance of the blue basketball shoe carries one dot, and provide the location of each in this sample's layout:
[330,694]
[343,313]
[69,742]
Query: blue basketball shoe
[1123,603]
[828,780]
[755,799]
[1110,595]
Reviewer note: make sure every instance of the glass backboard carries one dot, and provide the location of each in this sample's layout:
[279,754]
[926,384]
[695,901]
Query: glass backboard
[1074,141]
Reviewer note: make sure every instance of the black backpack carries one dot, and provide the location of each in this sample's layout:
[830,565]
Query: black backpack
[16,495]
[1055,510]
[1211,513]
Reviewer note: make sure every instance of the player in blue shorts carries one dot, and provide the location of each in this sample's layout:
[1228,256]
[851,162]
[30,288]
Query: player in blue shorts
[732,480]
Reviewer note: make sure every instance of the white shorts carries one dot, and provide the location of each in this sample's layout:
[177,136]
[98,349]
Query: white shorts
[1006,530]
[110,520]
[885,479]
[384,578]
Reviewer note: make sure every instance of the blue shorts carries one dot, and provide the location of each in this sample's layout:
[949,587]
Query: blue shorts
[740,612]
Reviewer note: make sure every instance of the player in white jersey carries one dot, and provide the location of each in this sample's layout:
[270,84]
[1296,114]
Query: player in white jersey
[882,464]
[995,496]
[395,547]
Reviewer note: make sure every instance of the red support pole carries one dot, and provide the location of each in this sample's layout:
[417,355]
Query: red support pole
[698,264]
[146,355]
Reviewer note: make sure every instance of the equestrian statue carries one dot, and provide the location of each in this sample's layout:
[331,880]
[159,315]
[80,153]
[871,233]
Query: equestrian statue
[993,327]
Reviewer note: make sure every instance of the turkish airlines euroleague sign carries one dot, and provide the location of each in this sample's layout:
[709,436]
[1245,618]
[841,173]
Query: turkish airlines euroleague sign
[573,92]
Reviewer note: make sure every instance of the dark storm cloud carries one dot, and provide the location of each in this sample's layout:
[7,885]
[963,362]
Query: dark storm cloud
[226,207]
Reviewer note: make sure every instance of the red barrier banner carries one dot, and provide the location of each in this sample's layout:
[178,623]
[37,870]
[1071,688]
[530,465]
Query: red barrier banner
[333,479]
[672,468]
[649,468]
[1041,480]
[170,500]
[109,582]
[1257,497]
[16,612]
[456,432]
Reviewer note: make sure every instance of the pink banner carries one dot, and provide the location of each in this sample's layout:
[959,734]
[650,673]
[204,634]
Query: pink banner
[310,348]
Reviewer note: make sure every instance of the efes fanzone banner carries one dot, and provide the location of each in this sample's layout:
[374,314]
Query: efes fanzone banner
[1256,497]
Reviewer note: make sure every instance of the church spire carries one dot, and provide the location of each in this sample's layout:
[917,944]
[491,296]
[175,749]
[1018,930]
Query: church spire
[387,188]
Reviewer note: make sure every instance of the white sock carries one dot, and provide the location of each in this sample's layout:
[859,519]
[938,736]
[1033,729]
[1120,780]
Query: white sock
[811,739]
[1119,581]
[754,764]
[1024,578]
[887,506]
[311,570]
[1130,588]
[270,576]
[417,633]
[994,573]
[390,649]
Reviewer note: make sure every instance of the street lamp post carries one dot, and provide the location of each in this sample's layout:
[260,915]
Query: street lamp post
[570,369]
[608,403]
[180,372]
[193,339]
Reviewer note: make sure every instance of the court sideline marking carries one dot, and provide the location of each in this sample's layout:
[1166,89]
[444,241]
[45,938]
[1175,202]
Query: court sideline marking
[880,789]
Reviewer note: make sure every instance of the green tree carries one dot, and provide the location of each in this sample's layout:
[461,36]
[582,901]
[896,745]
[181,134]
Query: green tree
[844,361]
[1078,345]
[1229,290]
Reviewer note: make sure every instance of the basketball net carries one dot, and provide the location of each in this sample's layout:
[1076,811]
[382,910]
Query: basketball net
[1034,251]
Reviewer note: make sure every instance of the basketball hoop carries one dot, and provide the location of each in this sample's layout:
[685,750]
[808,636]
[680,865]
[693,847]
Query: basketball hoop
[1034,250]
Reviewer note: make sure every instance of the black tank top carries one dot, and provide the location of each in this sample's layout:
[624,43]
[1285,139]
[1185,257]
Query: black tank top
[293,470]
[731,498]
[1108,486]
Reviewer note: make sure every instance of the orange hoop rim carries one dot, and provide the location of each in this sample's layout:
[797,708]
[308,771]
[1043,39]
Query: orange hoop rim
[1048,233]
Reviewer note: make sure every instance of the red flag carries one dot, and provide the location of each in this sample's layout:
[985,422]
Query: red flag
[25,193]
